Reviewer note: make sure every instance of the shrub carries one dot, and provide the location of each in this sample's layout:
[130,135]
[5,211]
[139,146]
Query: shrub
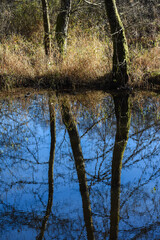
[26,17]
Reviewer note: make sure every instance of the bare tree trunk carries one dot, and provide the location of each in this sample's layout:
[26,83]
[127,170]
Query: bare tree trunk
[69,122]
[46,22]
[120,47]
[50,169]
[62,25]
[123,116]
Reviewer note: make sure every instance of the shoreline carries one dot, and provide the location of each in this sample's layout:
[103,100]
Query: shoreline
[9,82]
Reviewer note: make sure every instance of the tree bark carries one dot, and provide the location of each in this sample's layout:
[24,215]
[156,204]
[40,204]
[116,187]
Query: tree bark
[50,169]
[71,127]
[62,25]
[123,116]
[120,47]
[46,22]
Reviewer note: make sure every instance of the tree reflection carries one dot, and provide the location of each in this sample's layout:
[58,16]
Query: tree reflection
[71,127]
[51,165]
[123,116]
[104,172]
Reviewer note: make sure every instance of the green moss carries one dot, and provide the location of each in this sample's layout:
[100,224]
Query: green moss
[120,47]
[154,77]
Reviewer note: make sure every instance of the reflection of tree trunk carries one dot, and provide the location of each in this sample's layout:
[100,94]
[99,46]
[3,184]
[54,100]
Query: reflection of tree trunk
[46,22]
[62,25]
[120,47]
[80,167]
[50,170]
[123,116]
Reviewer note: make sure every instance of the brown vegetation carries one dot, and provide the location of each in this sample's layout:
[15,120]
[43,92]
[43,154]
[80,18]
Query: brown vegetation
[88,61]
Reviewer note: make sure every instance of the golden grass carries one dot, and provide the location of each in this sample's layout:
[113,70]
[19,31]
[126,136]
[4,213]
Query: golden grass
[143,62]
[22,59]
[88,58]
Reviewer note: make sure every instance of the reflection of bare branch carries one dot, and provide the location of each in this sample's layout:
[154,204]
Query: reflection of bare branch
[139,192]
[60,145]
[28,161]
[143,230]
[92,126]
[99,156]
[139,148]
[140,185]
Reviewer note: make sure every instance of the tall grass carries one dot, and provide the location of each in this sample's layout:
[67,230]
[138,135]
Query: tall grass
[87,58]
[89,53]
[143,62]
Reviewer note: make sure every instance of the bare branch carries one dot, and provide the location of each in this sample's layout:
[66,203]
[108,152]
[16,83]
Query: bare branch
[93,4]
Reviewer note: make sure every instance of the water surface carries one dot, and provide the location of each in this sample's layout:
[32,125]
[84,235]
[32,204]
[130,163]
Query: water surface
[80,167]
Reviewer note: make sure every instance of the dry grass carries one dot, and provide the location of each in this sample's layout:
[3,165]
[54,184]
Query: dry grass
[22,59]
[88,58]
[143,62]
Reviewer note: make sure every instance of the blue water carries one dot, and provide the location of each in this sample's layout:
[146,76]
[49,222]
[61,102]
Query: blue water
[24,157]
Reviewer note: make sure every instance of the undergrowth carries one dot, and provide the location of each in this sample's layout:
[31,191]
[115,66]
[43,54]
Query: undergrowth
[88,58]
[144,61]
[89,54]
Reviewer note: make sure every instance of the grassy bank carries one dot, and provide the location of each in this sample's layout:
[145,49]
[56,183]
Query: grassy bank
[88,63]
[87,59]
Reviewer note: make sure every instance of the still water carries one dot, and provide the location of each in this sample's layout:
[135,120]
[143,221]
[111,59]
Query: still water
[79,167]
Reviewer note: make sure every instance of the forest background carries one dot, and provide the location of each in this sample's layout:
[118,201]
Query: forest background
[88,55]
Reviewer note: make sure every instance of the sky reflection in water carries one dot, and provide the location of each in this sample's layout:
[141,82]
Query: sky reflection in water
[29,210]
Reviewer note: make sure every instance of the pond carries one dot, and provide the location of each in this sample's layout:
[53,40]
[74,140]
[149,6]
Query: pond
[83,166]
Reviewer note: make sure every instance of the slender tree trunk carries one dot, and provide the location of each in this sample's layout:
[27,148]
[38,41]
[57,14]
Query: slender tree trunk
[62,25]
[123,116]
[120,47]
[50,169]
[46,22]
[80,166]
